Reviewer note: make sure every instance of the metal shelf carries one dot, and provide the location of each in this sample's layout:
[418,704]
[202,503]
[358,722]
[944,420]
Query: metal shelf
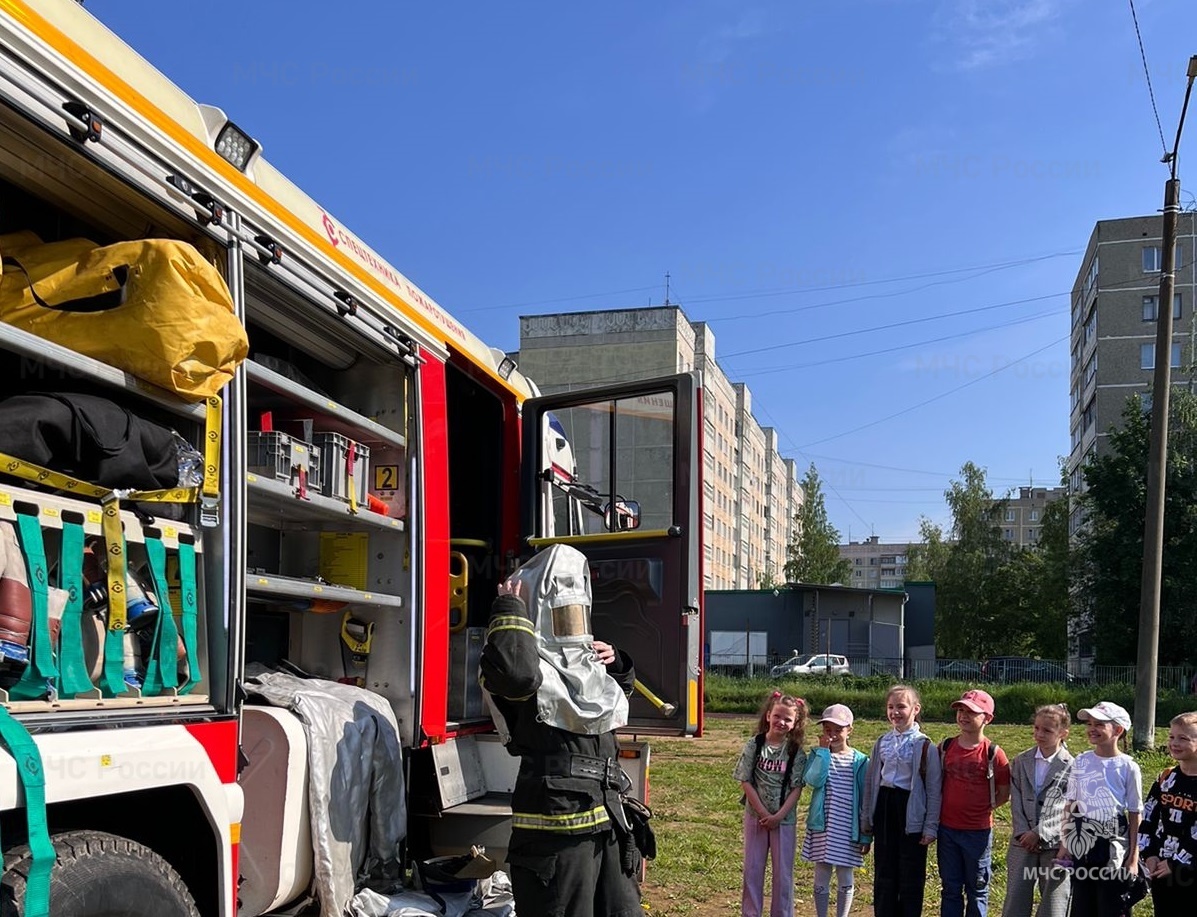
[76,366]
[286,587]
[275,504]
[333,414]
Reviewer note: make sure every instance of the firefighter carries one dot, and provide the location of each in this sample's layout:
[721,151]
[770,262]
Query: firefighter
[557,696]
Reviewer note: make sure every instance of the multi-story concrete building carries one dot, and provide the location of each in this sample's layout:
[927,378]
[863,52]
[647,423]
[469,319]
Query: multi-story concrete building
[1115,301]
[875,565]
[1114,308]
[1021,521]
[778,525]
[750,493]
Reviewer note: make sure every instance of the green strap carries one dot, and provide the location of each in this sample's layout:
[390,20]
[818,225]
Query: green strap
[112,680]
[37,680]
[190,614]
[161,670]
[73,669]
[28,760]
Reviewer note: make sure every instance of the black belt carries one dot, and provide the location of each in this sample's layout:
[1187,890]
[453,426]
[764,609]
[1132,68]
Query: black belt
[605,770]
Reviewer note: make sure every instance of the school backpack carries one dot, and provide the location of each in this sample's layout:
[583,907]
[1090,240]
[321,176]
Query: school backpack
[993,748]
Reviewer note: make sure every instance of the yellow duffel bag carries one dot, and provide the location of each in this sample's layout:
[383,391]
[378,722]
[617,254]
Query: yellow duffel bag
[152,307]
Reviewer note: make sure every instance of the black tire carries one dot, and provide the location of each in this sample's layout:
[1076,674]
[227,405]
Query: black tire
[99,875]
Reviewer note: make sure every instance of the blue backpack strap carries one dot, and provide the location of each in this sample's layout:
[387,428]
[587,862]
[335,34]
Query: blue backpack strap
[28,761]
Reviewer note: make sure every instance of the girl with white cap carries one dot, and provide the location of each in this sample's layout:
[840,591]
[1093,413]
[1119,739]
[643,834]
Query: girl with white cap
[1100,839]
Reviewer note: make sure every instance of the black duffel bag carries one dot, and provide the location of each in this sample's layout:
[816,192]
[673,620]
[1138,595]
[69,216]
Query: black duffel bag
[89,438]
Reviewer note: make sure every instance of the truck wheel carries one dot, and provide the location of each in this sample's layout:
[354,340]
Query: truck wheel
[99,875]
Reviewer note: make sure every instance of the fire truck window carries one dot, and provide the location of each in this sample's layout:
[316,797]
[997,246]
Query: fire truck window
[592,496]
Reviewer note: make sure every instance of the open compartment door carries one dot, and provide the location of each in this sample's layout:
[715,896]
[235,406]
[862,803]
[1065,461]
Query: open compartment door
[616,473]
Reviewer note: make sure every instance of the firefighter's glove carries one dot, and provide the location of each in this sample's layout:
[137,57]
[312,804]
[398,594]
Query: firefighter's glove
[629,855]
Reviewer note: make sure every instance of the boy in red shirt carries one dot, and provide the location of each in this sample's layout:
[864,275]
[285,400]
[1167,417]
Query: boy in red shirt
[976,780]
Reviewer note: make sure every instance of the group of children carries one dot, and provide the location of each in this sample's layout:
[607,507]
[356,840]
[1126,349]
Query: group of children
[1081,831]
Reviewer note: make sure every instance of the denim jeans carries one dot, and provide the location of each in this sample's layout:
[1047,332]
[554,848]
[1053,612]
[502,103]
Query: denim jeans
[964,870]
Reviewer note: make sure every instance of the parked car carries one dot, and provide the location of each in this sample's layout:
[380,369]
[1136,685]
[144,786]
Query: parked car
[959,670]
[1025,668]
[819,664]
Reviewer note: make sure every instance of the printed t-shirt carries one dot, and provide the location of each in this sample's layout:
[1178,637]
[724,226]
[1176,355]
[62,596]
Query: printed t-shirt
[770,769]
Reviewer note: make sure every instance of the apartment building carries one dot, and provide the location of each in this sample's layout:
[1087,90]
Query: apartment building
[750,493]
[1115,303]
[875,565]
[1021,519]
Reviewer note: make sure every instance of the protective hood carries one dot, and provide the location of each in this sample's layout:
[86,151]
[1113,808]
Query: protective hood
[576,693]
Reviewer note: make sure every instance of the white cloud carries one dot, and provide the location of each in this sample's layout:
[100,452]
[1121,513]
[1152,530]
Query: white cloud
[988,33]
[721,43]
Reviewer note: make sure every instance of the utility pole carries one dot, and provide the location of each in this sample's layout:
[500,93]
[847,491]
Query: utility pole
[1157,458]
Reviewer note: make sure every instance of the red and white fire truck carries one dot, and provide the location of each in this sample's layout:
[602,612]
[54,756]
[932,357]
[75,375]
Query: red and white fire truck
[372,472]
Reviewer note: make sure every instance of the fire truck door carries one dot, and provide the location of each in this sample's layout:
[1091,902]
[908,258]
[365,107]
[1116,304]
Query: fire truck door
[616,472]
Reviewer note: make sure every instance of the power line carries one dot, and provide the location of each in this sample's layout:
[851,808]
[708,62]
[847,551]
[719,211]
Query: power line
[643,373]
[892,325]
[769,370]
[891,294]
[996,265]
[938,474]
[1147,74]
[542,302]
[938,397]
[758,404]
[984,268]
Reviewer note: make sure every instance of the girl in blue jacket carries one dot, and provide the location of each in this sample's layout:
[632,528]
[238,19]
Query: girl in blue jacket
[834,839]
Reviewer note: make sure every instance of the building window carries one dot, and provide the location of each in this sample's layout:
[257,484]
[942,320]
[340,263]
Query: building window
[1009,534]
[1151,307]
[1034,515]
[1147,356]
[1009,515]
[1091,327]
[1091,278]
[1090,368]
[1089,417]
[859,572]
[1153,260]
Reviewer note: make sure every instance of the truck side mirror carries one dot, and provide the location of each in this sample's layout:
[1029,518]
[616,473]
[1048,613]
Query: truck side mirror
[624,518]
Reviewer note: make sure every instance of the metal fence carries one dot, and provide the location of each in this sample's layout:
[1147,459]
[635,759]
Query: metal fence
[999,670]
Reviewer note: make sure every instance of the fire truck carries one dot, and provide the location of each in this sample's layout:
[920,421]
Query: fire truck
[370,473]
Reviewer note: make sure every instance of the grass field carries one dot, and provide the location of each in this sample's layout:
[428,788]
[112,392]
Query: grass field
[697,818]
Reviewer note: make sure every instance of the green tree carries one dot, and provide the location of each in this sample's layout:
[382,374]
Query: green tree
[968,609]
[814,555]
[928,560]
[1110,548]
[993,597]
[1049,630]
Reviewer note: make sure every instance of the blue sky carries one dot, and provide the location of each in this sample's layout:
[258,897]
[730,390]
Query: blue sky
[809,174]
